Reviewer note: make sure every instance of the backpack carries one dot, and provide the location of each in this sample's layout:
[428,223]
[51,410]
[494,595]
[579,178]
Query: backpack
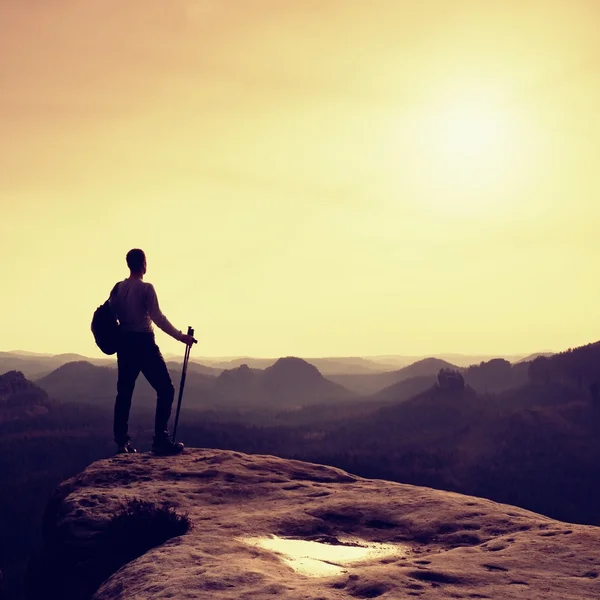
[105,327]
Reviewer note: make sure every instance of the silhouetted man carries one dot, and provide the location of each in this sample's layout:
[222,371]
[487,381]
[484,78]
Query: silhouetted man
[135,305]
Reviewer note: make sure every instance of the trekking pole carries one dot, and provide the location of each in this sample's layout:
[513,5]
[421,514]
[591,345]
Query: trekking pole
[186,358]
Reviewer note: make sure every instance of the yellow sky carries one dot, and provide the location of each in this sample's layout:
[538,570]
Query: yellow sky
[332,177]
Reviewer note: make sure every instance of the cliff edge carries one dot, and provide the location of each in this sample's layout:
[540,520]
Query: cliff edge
[264,527]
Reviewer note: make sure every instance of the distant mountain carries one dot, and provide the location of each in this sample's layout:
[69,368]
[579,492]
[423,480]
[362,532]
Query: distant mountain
[326,365]
[238,386]
[404,389]
[295,381]
[496,375]
[341,365]
[433,412]
[532,357]
[35,366]
[367,385]
[351,369]
[329,412]
[83,382]
[176,365]
[69,357]
[579,366]
[27,353]
[289,382]
[426,366]
[357,407]
[234,363]
[450,423]
[493,376]
[395,361]
[20,398]
[30,367]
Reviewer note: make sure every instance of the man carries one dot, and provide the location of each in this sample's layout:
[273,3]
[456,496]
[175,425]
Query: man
[135,305]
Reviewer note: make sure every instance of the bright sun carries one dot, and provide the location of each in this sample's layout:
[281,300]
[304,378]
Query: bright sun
[473,136]
[467,153]
[472,143]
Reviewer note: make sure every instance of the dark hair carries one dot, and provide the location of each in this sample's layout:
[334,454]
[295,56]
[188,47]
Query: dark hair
[135,260]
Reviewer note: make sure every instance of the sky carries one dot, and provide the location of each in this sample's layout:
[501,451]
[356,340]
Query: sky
[315,178]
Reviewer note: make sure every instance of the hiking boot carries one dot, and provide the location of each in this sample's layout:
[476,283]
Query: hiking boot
[126,448]
[165,447]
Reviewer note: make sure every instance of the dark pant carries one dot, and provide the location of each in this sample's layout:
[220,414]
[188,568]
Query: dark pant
[139,352]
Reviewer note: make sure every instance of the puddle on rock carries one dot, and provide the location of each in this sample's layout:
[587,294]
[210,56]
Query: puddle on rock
[317,559]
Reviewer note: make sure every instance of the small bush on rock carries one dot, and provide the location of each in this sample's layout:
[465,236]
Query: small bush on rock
[142,525]
[139,526]
[76,572]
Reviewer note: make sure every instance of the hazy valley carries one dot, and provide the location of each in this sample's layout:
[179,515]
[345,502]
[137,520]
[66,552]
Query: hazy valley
[523,433]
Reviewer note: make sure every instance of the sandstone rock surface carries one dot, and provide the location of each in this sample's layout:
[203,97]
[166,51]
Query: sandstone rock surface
[452,546]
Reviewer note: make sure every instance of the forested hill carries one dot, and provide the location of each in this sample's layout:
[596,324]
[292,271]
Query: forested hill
[580,366]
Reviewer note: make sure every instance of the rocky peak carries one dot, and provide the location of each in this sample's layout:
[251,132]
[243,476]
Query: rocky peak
[237,379]
[13,381]
[248,511]
[16,390]
[292,369]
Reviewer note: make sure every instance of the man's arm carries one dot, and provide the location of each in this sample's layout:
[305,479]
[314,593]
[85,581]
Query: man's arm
[157,316]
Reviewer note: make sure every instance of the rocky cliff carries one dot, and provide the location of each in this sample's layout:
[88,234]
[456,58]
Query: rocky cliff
[20,398]
[252,518]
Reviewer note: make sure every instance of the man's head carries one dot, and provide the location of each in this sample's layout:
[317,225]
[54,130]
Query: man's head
[136,261]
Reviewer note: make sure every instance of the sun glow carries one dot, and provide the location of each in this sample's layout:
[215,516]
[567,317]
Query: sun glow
[467,152]
[473,136]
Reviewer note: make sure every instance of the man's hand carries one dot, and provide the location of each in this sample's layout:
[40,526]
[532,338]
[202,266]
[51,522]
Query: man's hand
[188,340]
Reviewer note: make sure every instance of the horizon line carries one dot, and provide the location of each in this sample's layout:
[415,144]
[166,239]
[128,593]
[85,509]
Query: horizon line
[275,357]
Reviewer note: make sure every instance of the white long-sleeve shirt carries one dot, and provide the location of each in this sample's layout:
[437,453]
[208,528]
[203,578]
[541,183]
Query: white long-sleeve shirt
[136,306]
